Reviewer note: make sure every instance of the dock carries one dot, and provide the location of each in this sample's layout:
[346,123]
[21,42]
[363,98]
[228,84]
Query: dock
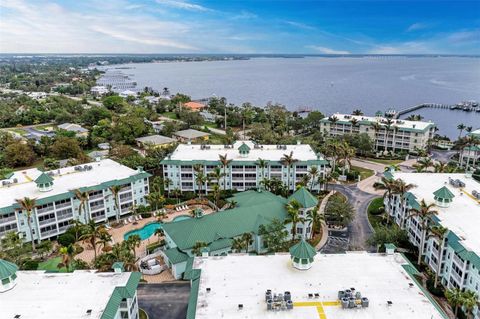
[470,106]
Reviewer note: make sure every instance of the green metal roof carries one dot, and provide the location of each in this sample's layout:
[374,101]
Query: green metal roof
[128,291]
[229,223]
[302,250]
[7,269]
[443,193]
[220,244]
[175,256]
[390,246]
[304,197]
[244,148]
[44,179]
[192,299]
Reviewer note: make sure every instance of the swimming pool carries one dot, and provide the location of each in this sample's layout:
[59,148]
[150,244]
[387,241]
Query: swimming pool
[145,232]
[148,230]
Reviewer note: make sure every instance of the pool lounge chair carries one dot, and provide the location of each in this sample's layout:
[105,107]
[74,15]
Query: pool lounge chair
[125,222]
[140,217]
[130,219]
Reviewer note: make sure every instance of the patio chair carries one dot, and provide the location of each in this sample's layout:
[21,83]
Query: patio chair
[186,207]
[130,219]
[140,217]
[125,222]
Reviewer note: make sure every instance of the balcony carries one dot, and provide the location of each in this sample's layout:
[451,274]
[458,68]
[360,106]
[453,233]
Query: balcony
[44,210]
[7,219]
[64,216]
[63,205]
[98,196]
[47,221]
[49,233]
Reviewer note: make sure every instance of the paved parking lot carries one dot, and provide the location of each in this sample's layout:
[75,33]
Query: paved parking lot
[165,300]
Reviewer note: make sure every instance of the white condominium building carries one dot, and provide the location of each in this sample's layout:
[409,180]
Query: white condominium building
[244,170]
[470,154]
[56,204]
[457,200]
[387,134]
[77,295]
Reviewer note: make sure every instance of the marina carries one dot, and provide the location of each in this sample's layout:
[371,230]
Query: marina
[467,106]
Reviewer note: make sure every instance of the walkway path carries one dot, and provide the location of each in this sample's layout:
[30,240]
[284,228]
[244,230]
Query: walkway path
[321,211]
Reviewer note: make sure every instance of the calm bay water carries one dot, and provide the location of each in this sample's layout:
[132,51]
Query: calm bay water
[329,84]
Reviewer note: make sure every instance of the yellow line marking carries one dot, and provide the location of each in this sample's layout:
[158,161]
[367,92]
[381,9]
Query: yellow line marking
[318,304]
[471,196]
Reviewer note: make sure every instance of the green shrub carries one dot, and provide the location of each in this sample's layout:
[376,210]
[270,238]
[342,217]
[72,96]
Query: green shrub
[439,291]
[29,264]
[66,239]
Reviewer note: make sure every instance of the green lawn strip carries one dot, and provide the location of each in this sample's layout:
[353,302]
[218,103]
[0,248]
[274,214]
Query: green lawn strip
[170,115]
[385,161]
[51,265]
[364,172]
[375,219]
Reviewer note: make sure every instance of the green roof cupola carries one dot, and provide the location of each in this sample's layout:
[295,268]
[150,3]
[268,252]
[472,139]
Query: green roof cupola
[44,182]
[244,149]
[302,255]
[118,267]
[304,197]
[443,197]
[8,275]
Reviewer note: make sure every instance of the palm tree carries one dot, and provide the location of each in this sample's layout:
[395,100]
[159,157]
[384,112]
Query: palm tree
[354,123]
[200,179]
[216,175]
[402,188]
[425,213]
[237,244]
[314,218]
[216,193]
[455,298]
[288,160]
[177,193]
[293,216]
[115,189]
[425,163]
[155,200]
[225,162]
[28,205]
[346,154]
[333,119]
[440,167]
[247,240]
[460,127]
[167,182]
[246,114]
[313,172]
[390,187]
[357,112]
[104,241]
[262,164]
[91,234]
[67,256]
[376,127]
[83,199]
[133,242]
[469,301]
[440,233]
[197,248]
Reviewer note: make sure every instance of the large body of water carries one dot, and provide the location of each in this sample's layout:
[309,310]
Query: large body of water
[329,84]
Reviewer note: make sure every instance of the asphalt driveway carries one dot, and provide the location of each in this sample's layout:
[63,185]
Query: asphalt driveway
[164,301]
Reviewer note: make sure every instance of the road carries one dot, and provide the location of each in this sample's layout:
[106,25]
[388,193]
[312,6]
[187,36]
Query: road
[359,230]
[164,301]
[442,156]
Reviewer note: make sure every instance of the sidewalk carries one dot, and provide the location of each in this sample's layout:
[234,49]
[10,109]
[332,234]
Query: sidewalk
[321,210]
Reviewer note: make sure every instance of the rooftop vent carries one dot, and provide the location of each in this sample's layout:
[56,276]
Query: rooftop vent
[17,316]
[89,312]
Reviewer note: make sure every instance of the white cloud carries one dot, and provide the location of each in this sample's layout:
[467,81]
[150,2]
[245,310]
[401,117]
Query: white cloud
[417,26]
[300,25]
[326,50]
[183,5]
[245,15]
[410,47]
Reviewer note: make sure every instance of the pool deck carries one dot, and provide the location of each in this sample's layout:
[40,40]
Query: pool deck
[118,233]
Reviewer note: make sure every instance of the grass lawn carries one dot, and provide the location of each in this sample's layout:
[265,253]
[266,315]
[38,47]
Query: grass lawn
[18,131]
[364,173]
[142,313]
[170,115]
[375,219]
[51,265]
[385,161]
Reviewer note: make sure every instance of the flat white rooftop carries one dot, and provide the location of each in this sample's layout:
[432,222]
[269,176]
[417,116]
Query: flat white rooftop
[400,123]
[461,216]
[243,279]
[41,295]
[64,180]
[187,152]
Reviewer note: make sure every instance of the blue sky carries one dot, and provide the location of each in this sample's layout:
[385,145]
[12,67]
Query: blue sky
[230,26]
